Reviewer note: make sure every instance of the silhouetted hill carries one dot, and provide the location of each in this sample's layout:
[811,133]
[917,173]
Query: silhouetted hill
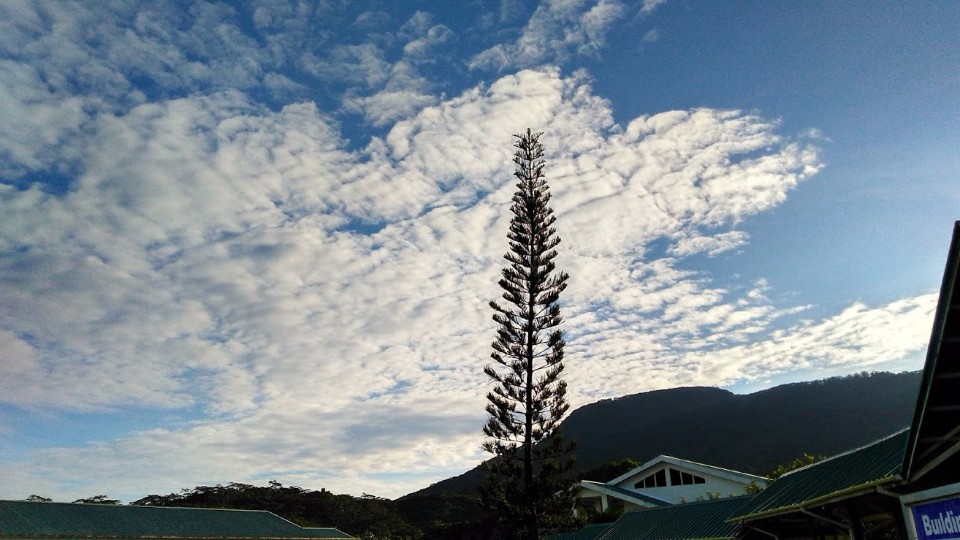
[751,433]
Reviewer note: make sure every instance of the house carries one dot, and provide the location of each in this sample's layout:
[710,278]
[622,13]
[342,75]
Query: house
[663,481]
[49,520]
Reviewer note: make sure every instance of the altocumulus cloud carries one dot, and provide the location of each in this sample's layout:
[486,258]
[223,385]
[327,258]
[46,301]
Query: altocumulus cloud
[324,306]
[557,30]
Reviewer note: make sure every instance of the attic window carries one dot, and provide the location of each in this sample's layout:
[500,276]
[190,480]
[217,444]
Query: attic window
[677,478]
[680,478]
[657,479]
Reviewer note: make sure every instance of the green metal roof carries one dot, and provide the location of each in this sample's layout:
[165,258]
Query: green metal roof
[626,493]
[934,434]
[23,519]
[590,532]
[324,532]
[875,464]
[686,521]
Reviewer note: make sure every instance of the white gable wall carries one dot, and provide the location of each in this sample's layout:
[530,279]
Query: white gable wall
[690,481]
[712,485]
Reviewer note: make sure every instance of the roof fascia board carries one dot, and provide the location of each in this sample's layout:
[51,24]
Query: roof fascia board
[637,470]
[938,492]
[702,468]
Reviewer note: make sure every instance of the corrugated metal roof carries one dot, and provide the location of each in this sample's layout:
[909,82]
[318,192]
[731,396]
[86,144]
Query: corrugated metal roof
[590,532]
[324,532]
[625,493]
[23,519]
[687,521]
[859,469]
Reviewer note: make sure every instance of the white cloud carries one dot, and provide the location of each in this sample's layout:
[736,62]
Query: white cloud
[557,29]
[858,338]
[649,6]
[218,257]
[36,119]
[424,39]
[387,106]
[362,64]
[208,256]
[57,73]
[711,245]
[385,92]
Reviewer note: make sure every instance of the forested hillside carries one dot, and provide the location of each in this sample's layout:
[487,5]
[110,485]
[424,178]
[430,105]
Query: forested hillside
[751,433]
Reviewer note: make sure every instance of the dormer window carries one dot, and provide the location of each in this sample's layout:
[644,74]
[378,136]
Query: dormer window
[677,478]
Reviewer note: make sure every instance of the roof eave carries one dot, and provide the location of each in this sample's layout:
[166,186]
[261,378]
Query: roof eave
[703,468]
[840,495]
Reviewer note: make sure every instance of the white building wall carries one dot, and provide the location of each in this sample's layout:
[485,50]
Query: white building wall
[688,493]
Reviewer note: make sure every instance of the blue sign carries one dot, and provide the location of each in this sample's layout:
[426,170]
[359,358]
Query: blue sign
[938,520]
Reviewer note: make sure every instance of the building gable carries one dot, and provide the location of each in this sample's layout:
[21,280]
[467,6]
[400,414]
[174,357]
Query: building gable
[677,480]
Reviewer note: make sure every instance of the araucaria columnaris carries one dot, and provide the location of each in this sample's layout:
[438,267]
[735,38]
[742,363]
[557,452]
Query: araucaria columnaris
[529,488]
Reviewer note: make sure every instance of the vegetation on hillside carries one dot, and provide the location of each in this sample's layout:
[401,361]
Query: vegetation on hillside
[363,517]
[765,431]
[752,433]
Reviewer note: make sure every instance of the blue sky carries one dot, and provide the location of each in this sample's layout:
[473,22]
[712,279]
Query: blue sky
[256,240]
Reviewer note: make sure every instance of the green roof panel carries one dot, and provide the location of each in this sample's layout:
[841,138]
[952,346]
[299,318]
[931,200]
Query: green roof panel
[590,532]
[626,493]
[22,519]
[324,532]
[686,521]
[875,464]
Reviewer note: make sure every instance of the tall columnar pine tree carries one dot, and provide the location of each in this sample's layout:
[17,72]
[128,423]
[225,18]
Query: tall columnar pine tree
[529,484]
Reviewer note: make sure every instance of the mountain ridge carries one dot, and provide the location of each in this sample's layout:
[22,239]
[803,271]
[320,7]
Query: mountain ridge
[747,432]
